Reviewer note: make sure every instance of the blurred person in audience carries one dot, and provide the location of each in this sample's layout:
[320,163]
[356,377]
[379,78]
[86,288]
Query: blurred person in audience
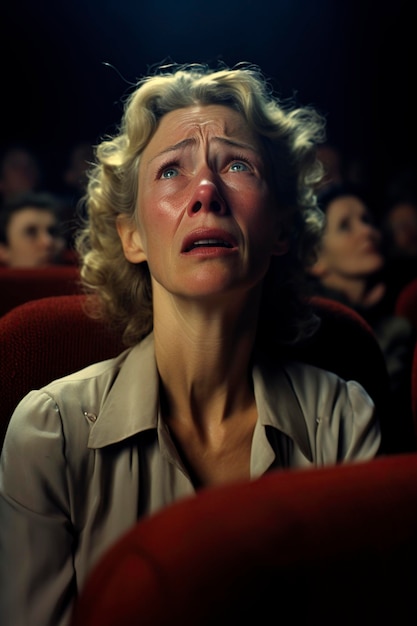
[75,176]
[30,231]
[20,171]
[201,215]
[399,227]
[73,187]
[350,267]
[332,161]
[339,167]
[402,184]
[400,224]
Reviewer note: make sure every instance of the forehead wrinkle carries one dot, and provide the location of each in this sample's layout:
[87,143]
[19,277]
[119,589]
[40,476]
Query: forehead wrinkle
[176,146]
[193,140]
[235,144]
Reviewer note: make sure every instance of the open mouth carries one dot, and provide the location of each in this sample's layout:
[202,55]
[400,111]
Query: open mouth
[208,243]
[208,238]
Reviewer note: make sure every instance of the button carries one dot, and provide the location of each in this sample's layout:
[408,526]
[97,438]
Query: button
[90,416]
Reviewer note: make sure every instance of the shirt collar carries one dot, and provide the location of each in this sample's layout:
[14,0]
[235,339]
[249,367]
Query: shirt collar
[277,402]
[132,404]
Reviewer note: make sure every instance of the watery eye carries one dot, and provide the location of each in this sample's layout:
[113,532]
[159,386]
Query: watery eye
[169,172]
[239,166]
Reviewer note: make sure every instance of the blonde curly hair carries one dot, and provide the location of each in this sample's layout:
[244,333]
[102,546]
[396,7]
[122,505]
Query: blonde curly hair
[290,135]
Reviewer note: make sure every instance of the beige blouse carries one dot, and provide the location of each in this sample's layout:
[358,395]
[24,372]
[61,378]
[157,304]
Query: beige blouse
[88,455]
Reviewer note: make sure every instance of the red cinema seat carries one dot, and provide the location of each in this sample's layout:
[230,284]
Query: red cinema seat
[324,547]
[19,285]
[406,303]
[44,339]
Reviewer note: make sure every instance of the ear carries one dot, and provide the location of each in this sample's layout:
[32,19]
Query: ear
[130,239]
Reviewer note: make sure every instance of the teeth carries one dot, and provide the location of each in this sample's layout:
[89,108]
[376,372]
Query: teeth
[211,242]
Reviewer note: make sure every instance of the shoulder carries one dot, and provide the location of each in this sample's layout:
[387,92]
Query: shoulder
[340,415]
[394,326]
[313,389]
[323,393]
[96,376]
[56,411]
[314,381]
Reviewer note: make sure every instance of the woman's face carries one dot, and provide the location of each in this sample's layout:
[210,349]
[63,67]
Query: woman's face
[207,222]
[351,243]
[402,222]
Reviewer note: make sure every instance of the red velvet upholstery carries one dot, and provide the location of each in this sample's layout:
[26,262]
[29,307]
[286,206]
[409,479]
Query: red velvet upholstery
[325,547]
[19,285]
[44,339]
[346,345]
[406,306]
[414,388]
[406,303]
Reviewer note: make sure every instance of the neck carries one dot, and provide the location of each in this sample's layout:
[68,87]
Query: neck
[357,290]
[203,355]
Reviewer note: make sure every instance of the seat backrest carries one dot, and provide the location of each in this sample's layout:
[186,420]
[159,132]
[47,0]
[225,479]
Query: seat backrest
[406,302]
[19,285]
[335,545]
[346,344]
[414,388]
[47,338]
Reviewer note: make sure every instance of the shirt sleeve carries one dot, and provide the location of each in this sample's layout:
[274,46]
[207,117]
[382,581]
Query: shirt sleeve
[348,427]
[37,580]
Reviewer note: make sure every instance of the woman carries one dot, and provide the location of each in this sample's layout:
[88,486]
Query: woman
[350,267]
[201,215]
[350,260]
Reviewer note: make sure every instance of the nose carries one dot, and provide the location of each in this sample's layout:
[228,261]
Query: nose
[371,233]
[373,230]
[46,239]
[367,225]
[206,196]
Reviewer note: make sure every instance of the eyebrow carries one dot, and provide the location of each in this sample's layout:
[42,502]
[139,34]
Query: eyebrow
[190,141]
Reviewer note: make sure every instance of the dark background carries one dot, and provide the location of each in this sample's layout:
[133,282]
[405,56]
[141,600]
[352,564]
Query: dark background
[67,66]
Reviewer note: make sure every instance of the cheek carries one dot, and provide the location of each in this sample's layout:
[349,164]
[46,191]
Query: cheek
[158,208]
[338,254]
[346,258]
[156,224]
[156,230]
[19,241]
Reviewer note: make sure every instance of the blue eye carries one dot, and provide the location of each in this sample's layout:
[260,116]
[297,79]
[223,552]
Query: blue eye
[239,166]
[169,172]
